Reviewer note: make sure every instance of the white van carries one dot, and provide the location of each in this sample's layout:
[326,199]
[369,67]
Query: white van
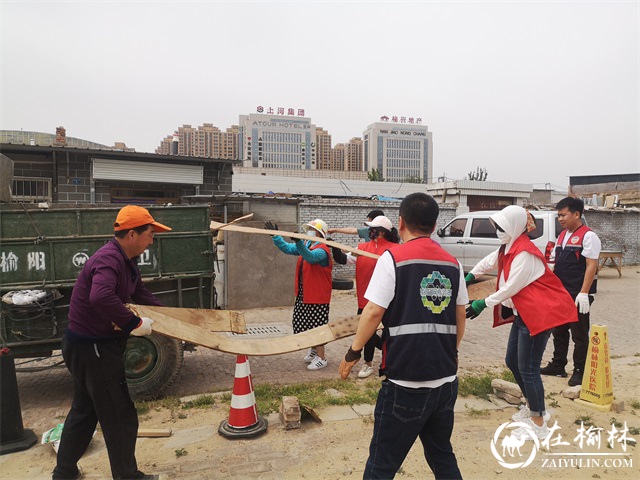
[471,237]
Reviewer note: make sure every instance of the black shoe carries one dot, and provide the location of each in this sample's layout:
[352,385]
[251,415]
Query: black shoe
[576,378]
[553,369]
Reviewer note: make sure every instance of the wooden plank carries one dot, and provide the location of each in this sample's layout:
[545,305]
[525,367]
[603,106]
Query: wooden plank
[302,236]
[154,432]
[207,320]
[482,289]
[174,322]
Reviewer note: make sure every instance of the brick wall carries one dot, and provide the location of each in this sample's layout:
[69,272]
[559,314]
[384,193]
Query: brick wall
[618,231]
[352,213]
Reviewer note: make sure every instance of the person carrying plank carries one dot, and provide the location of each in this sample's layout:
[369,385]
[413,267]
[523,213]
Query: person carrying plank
[94,343]
[312,284]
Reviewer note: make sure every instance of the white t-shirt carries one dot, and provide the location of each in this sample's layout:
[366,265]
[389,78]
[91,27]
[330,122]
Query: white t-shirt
[591,245]
[381,291]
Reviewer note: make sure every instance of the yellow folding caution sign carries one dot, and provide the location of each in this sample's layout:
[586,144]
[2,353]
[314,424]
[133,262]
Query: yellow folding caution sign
[597,387]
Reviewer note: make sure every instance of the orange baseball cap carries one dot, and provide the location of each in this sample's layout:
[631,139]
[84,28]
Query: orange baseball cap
[133,216]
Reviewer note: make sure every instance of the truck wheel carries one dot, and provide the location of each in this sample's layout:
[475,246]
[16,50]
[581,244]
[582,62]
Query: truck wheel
[151,364]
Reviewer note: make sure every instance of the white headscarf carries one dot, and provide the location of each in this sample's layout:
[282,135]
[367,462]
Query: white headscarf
[513,220]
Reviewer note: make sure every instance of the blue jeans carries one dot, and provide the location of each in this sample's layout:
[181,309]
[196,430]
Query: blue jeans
[524,354]
[403,414]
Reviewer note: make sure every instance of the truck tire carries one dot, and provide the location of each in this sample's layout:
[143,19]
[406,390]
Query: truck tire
[341,284]
[151,364]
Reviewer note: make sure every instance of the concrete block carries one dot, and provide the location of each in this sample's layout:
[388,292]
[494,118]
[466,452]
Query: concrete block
[512,399]
[572,392]
[290,412]
[508,387]
[617,406]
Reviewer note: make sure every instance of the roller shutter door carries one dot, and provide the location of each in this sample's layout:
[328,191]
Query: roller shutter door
[107,169]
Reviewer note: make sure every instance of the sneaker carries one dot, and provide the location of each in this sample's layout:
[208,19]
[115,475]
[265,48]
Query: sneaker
[576,378]
[540,432]
[317,364]
[311,354]
[554,370]
[524,413]
[365,371]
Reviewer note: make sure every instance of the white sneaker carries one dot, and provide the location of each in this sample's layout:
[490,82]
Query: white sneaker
[311,355]
[317,364]
[540,432]
[365,371]
[525,413]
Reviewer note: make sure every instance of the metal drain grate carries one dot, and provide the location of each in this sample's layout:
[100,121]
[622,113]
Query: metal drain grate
[264,331]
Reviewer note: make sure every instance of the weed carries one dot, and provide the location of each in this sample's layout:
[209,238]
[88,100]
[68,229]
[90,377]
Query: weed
[475,413]
[142,408]
[202,401]
[613,357]
[480,385]
[554,404]
[182,416]
[550,396]
[614,421]
[181,452]
[634,364]
[584,419]
[634,430]
[635,404]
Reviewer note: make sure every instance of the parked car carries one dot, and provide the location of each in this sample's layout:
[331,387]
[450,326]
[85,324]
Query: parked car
[471,237]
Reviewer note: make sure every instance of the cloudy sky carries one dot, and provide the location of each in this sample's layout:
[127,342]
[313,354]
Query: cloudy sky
[532,91]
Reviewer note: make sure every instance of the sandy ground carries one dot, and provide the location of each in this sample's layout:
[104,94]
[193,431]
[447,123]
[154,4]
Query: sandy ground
[338,447]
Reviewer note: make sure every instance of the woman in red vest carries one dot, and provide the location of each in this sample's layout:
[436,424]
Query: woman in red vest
[382,236]
[312,284]
[530,297]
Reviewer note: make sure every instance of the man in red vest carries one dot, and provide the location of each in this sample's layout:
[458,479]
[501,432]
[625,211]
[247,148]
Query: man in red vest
[576,256]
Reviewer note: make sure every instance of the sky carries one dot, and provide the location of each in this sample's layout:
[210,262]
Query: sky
[534,92]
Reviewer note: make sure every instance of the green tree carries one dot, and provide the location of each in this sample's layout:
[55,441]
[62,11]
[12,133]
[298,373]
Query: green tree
[480,174]
[375,175]
[412,179]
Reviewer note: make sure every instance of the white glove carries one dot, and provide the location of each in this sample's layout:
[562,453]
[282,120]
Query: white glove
[582,302]
[144,328]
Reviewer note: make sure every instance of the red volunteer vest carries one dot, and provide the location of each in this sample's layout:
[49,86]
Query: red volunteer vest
[543,304]
[316,280]
[366,265]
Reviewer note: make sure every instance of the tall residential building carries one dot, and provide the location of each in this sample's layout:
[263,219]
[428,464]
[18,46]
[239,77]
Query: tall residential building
[185,140]
[277,141]
[230,142]
[402,152]
[207,142]
[165,146]
[347,157]
[323,149]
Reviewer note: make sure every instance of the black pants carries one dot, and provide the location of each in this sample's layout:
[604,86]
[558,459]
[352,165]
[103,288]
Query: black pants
[100,394]
[580,334]
[370,347]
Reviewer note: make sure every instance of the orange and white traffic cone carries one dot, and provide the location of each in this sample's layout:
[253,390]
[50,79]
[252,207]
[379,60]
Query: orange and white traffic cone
[243,417]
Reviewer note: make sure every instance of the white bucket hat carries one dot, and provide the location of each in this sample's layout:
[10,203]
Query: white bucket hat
[318,225]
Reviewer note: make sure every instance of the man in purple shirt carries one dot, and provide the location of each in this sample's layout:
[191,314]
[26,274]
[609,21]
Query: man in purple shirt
[94,343]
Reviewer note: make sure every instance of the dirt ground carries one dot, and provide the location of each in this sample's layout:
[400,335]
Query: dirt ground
[338,447]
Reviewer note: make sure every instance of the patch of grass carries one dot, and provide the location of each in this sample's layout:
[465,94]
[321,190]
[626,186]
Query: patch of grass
[480,385]
[585,419]
[146,405]
[635,404]
[181,452]
[634,430]
[475,413]
[313,394]
[203,401]
[614,421]
[554,404]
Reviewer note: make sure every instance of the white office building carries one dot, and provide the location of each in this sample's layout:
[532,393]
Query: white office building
[400,151]
[277,141]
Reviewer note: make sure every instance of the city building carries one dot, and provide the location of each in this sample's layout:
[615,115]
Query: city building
[402,152]
[277,141]
[323,149]
[347,157]
[205,141]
